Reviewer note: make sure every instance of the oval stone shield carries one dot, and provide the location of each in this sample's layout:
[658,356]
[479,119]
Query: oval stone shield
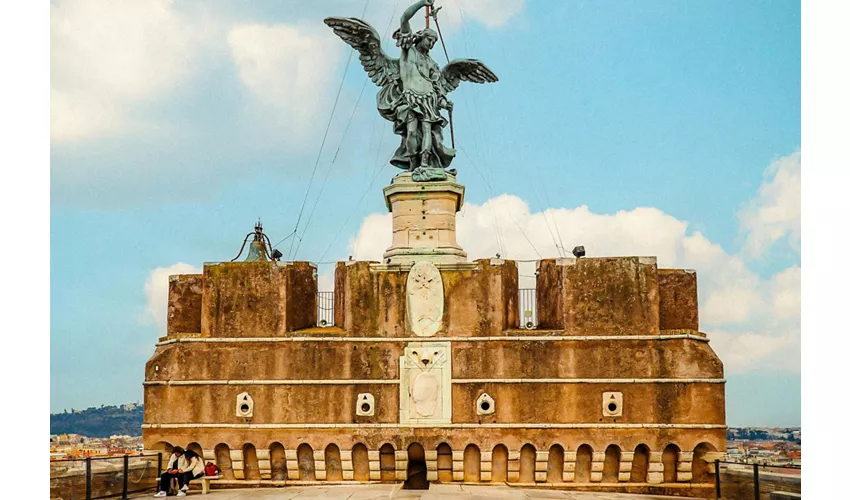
[425,301]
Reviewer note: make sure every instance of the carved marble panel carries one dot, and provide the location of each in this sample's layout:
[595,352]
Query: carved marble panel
[425,299]
[425,389]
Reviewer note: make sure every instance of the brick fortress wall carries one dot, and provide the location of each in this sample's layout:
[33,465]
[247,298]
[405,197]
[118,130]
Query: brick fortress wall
[612,331]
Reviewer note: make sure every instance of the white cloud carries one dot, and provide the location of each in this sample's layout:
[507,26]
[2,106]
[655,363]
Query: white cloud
[326,279]
[491,13]
[156,291]
[106,56]
[746,351]
[775,212]
[786,292]
[288,68]
[756,320]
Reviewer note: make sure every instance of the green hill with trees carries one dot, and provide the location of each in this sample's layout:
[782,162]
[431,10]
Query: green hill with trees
[99,422]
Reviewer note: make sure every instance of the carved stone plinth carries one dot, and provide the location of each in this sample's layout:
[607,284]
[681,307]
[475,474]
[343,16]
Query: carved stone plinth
[424,220]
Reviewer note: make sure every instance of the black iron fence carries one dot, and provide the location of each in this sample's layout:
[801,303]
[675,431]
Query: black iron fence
[104,477]
[737,481]
[325,313]
[528,308]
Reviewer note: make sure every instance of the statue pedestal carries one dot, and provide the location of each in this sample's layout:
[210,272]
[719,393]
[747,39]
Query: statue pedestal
[424,220]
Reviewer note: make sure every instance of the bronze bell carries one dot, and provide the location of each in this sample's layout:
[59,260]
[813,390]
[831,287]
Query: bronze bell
[256,252]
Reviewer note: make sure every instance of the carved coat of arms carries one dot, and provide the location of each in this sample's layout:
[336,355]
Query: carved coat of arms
[425,300]
[426,383]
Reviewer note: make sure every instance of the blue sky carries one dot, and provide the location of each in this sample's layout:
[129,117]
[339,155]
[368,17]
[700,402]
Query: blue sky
[654,127]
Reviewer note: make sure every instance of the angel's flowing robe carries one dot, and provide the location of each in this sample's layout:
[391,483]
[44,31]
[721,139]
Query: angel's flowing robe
[415,96]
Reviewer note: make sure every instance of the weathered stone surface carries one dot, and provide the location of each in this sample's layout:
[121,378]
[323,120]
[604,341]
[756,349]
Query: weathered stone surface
[423,218]
[194,382]
[479,301]
[272,403]
[258,299]
[430,437]
[674,358]
[692,403]
[599,296]
[185,292]
[317,360]
[678,305]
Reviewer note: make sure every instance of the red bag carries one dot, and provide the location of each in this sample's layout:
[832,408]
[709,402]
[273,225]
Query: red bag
[211,469]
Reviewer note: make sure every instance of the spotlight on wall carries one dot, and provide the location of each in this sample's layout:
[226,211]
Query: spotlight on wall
[578,251]
[276,254]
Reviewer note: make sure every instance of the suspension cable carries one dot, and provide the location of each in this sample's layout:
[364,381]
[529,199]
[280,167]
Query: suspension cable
[351,212]
[330,168]
[487,184]
[325,136]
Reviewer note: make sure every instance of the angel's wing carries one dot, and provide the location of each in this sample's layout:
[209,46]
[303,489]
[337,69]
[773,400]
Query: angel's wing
[470,70]
[382,68]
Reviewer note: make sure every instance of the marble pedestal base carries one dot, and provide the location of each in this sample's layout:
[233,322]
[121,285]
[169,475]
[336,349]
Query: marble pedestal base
[424,220]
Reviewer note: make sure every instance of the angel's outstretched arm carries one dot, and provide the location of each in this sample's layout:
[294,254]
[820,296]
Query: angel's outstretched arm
[410,12]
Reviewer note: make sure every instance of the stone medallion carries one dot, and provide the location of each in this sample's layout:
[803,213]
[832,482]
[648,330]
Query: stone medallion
[425,300]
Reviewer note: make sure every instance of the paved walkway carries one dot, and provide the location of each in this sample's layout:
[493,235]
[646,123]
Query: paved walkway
[437,491]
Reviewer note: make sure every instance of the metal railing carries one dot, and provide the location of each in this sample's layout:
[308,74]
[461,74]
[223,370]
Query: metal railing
[325,306]
[528,308]
[738,481]
[104,477]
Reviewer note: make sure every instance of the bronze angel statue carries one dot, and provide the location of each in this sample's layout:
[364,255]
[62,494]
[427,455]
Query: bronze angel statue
[413,89]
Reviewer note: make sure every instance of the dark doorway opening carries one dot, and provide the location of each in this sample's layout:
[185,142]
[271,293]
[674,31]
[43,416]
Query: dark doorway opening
[417,471]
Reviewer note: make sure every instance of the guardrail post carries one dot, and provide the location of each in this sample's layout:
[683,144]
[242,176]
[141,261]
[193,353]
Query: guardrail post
[126,476]
[718,493]
[756,481]
[88,478]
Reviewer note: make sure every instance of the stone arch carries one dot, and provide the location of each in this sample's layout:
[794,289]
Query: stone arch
[670,459]
[555,467]
[197,448]
[250,464]
[527,458]
[500,464]
[222,459]
[584,463]
[333,463]
[640,464]
[277,459]
[444,463]
[417,470]
[702,470]
[360,462]
[306,463]
[611,466]
[387,455]
[166,448]
[471,464]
